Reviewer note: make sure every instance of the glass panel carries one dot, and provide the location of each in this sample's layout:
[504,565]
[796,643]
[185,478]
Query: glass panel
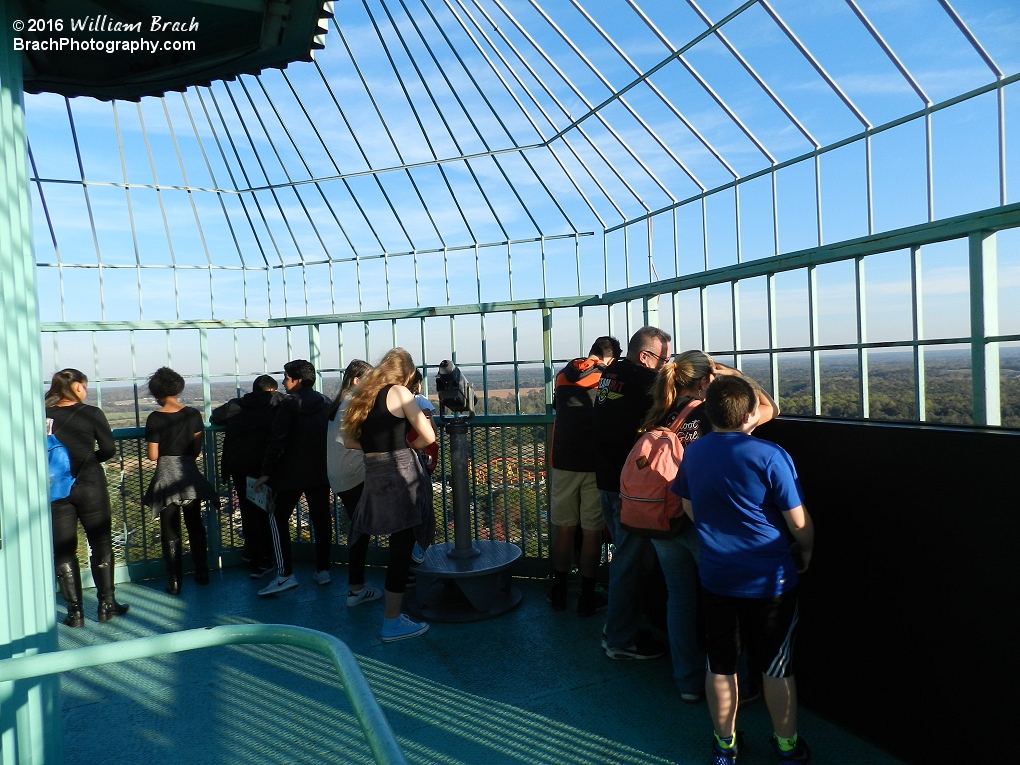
[948,385]
[754,316]
[792,327]
[891,385]
[887,290]
[795,384]
[840,384]
[1009,380]
[836,298]
[945,293]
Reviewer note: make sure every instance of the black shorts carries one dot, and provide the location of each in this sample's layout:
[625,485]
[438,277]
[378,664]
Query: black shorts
[767,627]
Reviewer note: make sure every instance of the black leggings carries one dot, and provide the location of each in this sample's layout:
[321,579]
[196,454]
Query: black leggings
[90,504]
[357,552]
[401,546]
[170,527]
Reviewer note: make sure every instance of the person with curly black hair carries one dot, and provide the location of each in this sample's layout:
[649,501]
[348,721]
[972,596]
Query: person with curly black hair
[173,434]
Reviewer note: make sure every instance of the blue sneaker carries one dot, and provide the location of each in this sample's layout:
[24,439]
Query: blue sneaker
[417,554]
[722,756]
[800,753]
[402,628]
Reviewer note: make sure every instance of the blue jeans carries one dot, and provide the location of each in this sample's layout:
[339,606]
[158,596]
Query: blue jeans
[623,616]
[679,560]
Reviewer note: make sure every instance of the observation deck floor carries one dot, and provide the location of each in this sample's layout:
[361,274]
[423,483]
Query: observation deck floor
[532,686]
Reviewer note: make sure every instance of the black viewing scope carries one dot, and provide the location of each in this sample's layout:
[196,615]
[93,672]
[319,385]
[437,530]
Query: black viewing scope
[454,389]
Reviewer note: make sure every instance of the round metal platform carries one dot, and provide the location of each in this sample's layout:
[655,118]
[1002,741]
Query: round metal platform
[465,589]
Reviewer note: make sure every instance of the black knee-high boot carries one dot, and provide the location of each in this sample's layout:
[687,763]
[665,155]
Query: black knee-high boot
[174,565]
[69,579]
[102,574]
[197,541]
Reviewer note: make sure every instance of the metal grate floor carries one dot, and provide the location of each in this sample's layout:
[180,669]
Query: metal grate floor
[532,686]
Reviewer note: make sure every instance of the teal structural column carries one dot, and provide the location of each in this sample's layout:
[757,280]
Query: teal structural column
[30,727]
[314,355]
[984,323]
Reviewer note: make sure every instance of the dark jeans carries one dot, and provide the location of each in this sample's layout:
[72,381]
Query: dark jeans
[357,552]
[401,545]
[254,526]
[89,504]
[170,530]
[317,498]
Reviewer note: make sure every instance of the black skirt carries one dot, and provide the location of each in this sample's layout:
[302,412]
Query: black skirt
[397,496]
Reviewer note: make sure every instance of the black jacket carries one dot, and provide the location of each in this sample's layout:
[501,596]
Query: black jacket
[247,421]
[295,456]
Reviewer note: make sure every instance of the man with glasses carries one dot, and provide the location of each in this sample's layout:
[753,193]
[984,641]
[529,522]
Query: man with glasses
[623,399]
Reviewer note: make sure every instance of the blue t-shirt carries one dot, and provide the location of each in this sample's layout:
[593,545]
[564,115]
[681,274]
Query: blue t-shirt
[740,486]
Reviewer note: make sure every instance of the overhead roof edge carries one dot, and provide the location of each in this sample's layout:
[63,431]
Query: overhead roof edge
[128,49]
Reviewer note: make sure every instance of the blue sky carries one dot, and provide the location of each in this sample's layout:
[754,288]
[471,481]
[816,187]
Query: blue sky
[615,166]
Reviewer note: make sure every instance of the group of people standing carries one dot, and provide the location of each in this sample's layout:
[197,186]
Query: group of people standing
[738,562]
[733,569]
[362,446]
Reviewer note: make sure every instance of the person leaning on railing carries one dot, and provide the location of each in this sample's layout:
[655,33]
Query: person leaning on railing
[173,435]
[397,495]
[85,433]
[346,470]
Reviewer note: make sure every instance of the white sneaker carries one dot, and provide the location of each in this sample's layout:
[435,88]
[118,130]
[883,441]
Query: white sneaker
[322,577]
[365,593]
[278,585]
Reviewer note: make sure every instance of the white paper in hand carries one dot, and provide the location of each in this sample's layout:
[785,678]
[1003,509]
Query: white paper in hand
[262,497]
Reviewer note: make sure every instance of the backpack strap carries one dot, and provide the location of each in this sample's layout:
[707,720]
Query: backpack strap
[57,425]
[691,405]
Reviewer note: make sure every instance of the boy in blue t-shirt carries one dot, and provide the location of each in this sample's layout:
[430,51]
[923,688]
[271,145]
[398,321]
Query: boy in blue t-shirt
[743,495]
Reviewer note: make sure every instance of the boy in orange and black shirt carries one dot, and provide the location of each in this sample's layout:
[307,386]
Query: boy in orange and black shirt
[575,497]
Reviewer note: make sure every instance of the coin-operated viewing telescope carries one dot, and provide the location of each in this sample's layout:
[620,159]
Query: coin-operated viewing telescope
[467,579]
[456,393]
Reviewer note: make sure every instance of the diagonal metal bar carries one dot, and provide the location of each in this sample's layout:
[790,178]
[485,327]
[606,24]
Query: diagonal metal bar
[538,105]
[815,63]
[889,51]
[485,99]
[707,88]
[672,57]
[531,71]
[975,43]
[751,71]
[577,92]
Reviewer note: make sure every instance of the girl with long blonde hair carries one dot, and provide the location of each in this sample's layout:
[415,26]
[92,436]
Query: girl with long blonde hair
[397,496]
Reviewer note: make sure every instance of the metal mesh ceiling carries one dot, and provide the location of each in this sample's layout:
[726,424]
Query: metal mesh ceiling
[426,131]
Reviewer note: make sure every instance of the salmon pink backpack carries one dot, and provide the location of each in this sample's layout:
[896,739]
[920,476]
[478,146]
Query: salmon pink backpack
[647,507]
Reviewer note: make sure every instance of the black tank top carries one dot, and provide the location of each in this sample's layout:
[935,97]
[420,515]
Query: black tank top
[382,431]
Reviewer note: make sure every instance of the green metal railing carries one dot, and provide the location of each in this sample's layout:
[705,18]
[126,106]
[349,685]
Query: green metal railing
[370,716]
[508,481]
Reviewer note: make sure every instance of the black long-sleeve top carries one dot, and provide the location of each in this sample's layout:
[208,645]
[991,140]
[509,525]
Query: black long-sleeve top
[295,456]
[84,430]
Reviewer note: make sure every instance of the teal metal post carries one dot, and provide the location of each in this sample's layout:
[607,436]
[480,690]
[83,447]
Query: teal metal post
[30,727]
[984,322]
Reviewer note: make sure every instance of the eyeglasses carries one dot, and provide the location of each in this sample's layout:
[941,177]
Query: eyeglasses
[655,355]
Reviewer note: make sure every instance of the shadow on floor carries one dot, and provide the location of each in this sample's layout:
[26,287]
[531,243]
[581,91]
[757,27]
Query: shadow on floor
[532,686]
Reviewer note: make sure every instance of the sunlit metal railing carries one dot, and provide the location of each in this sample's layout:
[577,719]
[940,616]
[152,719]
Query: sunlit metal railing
[508,480]
[378,733]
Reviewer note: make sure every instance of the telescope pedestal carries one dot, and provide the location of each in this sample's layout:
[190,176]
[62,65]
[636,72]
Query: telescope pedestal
[459,589]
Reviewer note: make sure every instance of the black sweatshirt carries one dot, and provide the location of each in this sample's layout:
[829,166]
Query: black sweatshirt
[84,430]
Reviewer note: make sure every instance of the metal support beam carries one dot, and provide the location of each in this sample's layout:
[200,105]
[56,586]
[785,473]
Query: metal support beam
[984,322]
[314,355]
[30,724]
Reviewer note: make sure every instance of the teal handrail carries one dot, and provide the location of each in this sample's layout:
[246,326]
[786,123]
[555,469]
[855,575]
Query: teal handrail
[370,716]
